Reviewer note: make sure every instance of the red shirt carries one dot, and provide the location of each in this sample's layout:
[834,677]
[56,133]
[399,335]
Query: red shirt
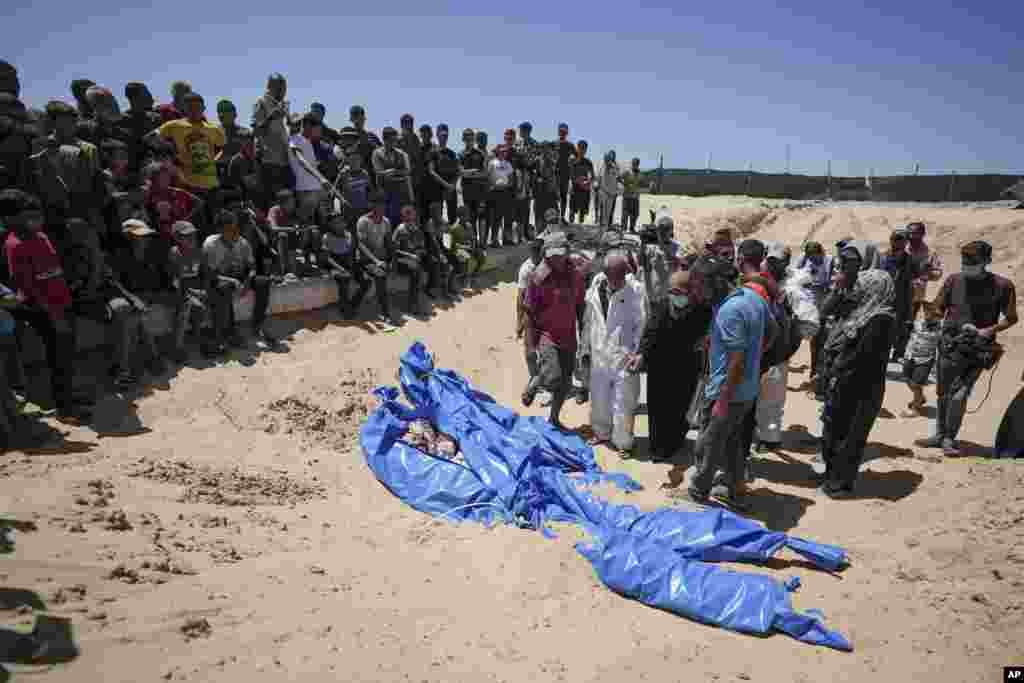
[279,218]
[552,301]
[168,112]
[182,205]
[37,273]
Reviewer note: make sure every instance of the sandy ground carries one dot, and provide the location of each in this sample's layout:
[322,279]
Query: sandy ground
[225,528]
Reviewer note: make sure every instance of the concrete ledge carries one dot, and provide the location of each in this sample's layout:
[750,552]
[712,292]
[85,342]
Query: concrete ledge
[305,294]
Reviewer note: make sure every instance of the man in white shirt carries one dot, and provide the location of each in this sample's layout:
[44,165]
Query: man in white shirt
[503,184]
[310,193]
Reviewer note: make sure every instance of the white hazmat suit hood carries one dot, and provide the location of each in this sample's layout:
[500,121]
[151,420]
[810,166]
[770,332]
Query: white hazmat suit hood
[610,340]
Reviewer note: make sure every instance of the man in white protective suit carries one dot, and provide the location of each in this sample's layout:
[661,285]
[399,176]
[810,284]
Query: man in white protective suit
[613,324]
[771,404]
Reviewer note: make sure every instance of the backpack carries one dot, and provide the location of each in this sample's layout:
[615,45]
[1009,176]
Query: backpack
[787,342]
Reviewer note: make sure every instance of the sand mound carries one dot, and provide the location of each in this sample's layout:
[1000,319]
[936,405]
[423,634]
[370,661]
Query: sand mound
[335,426]
[228,487]
[795,224]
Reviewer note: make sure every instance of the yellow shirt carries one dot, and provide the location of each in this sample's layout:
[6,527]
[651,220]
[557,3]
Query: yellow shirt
[197,145]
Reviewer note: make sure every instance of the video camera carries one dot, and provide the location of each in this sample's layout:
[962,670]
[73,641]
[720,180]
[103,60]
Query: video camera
[649,234]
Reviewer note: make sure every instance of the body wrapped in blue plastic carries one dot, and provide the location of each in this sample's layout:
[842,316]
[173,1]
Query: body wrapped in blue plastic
[520,469]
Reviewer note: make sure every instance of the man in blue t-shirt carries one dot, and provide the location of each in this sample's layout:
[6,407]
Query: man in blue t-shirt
[738,329]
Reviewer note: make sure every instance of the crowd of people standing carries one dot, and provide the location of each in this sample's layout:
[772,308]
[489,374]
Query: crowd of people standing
[104,214]
[715,329]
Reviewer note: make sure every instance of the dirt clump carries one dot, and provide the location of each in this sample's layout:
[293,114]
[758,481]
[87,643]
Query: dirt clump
[230,487]
[334,426]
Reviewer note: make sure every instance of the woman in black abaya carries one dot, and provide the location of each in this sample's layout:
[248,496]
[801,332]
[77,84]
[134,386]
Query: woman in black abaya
[856,355]
[668,353]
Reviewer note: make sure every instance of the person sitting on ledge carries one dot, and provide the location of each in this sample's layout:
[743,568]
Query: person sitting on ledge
[229,263]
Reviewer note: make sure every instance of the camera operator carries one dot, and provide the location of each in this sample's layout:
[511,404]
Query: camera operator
[976,305]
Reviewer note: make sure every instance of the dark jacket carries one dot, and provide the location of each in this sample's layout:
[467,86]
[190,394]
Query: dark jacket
[901,269]
[859,368]
[668,342]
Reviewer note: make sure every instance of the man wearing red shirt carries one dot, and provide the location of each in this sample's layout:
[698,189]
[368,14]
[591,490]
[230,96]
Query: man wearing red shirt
[554,303]
[42,293]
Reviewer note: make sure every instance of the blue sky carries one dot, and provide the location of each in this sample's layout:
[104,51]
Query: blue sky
[882,85]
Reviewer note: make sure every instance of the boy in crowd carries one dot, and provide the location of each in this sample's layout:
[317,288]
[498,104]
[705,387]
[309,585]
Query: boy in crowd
[410,256]
[139,281]
[185,265]
[95,294]
[631,180]
[338,258]
[117,174]
[244,172]
[255,229]
[198,143]
[920,356]
[42,294]
[233,136]
[469,255]
[447,265]
[229,262]
[310,190]
[473,169]
[167,205]
[67,173]
[582,170]
[290,232]
[355,186]
[373,240]
[391,166]
[443,168]
[503,181]
[139,121]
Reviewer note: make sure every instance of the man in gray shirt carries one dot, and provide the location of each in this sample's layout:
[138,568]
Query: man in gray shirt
[373,237]
[270,127]
[229,266]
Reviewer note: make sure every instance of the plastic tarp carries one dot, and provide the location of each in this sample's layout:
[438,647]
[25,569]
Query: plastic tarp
[521,470]
[796,287]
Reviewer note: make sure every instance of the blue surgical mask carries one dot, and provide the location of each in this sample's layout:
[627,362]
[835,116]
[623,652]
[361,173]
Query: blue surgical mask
[678,301]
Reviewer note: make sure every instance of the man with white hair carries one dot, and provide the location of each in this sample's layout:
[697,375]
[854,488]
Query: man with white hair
[613,325]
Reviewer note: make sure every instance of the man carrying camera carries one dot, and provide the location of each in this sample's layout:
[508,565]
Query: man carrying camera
[977,305]
[659,259]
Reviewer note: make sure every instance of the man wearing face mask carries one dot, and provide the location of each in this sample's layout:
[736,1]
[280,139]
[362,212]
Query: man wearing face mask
[612,328]
[738,330]
[670,355]
[554,304]
[853,257]
[977,305]
[722,244]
